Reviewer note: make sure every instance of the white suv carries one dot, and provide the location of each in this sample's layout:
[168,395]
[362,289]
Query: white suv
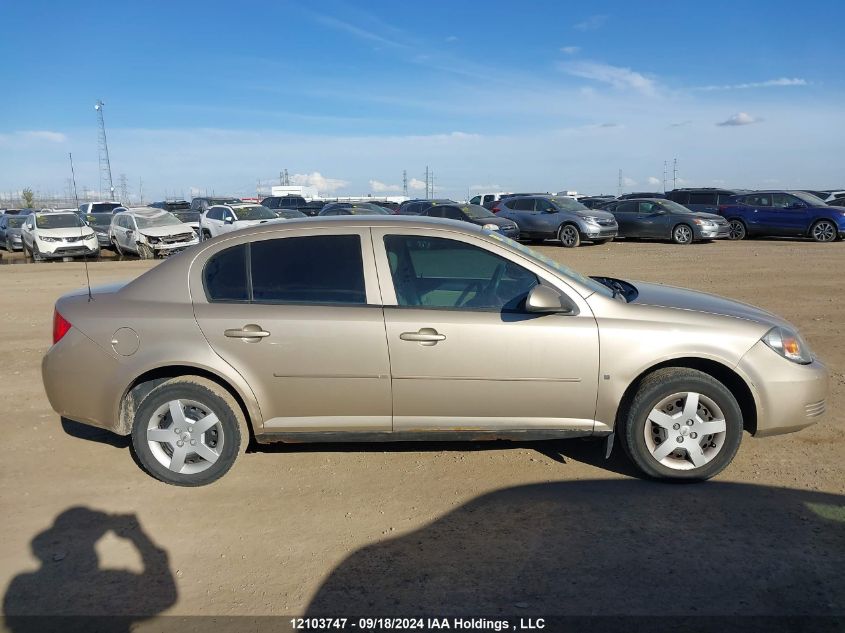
[54,234]
[224,218]
[98,207]
[148,232]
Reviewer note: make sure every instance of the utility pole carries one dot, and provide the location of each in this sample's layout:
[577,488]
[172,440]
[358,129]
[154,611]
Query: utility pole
[141,191]
[665,166]
[73,177]
[674,173]
[286,181]
[431,176]
[105,165]
[427,183]
[405,182]
[619,184]
[124,189]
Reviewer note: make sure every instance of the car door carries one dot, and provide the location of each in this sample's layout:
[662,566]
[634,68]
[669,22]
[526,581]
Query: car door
[625,213]
[758,214]
[652,221]
[214,220]
[463,353]
[129,234]
[298,314]
[790,214]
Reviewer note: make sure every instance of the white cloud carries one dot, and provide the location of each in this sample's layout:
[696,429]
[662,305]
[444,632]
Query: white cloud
[616,76]
[591,23]
[570,50]
[653,180]
[28,137]
[628,182]
[452,38]
[379,187]
[771,83]
[740,118]
[414,183]
[316,179]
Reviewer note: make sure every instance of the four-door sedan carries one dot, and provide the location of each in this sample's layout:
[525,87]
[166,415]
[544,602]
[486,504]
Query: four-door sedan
[474,214]
[10,231]
[557,217]
[784,214]
[406,328]
[666,220]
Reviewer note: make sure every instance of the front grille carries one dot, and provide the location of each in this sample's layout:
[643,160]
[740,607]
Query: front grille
[182,237]
[76,238]
[815,409]
[605,222]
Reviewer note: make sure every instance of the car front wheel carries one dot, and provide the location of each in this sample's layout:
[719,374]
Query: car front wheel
[681,424]
[569,236]
[737,230]
[188,431]
[682,234]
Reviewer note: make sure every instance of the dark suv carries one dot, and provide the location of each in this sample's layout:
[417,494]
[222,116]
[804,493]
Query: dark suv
[201,205]
[705,200]
[783,213]
[284,202]
[416,207]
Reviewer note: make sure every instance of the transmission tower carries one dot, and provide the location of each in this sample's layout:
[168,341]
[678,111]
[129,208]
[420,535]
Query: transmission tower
[426,183]
[619,184]
[674,173]
[103,146]
[124,189]
[405,182]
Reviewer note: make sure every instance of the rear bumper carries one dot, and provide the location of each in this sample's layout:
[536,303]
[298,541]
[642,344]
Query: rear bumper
[789,396]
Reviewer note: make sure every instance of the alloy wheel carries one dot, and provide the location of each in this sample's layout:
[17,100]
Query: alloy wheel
[569,236]
[685,431]
[824,231]
[185,436]
[737,230]
[682,234]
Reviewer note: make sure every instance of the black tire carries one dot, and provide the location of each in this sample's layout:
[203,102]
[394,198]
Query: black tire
[683,234]
[738,230]
[117,247]
[569,236]
[205,235]
[233,430]
[145,252]
[660,385]
[36,254]
[824,231]
[9,246]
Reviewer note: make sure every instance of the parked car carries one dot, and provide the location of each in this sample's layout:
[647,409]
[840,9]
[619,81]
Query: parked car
[595,202]
[831,196]
[221,219]
[553,217]
[106,206]
[10,231]
[18,211]
[149,233]
[313,208]
[418,329]
[289,214]
[172,205]
[203,204]
[101,223]
[705,199]
[641,194]
[487,200]
[475,214]
[417,205]
[390,205]
[182,210]
[57,235]
[783,213]
[666,220]
[284,202]
[353,208]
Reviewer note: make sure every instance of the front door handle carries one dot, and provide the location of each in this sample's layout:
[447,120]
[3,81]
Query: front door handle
[425,336]
[251,333]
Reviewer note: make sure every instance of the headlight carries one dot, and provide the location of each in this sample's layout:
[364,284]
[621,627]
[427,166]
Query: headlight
[490,227]
[788,344]
[591,219]
[151,239]
[706,223]
[44,238]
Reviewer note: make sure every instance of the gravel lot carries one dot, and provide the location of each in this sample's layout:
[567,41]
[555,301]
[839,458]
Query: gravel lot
[499,528]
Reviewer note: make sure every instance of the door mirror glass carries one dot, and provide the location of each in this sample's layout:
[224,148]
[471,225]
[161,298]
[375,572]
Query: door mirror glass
[229,219]
[544,299]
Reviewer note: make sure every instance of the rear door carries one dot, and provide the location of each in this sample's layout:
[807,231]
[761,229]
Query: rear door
[703,201]
[760,215]
[297,313]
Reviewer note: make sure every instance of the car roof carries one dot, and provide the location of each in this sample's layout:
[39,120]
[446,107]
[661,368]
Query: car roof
[143,211]
[38,213]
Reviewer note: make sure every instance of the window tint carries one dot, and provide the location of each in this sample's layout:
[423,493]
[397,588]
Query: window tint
[759,200]
[434,212]
[489,198]
[681,197]
[225,275]
[314,269]
[648,207]
[783,201]
[626,207]
[452,213]
[475,200]
[702,198]
[522,204]
[725,198]
[271,203]
[540,204]
[434,272]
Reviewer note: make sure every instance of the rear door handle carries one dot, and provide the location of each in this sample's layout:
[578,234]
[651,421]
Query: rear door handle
[425,336]
[252,333]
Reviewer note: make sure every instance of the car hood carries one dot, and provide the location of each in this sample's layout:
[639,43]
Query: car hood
[684,299]
[497,221]
[73,231]
[707,216]
[166,231]
[594,213]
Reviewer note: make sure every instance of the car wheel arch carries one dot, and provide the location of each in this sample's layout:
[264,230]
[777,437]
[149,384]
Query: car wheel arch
[143,384]
[737,385]
[816,221]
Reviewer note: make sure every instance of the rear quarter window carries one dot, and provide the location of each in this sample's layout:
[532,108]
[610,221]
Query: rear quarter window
[224,276]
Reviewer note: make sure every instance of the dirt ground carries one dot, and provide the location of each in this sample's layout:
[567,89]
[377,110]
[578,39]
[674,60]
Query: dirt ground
[375,530]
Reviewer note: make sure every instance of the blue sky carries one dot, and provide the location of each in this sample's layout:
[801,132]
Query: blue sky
[491,95]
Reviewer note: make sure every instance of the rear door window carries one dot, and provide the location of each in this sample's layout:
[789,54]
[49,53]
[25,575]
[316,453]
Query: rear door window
[706,198]
[681,197]
[759,200]
[225,275]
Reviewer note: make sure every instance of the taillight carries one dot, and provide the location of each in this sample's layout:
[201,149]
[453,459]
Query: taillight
[495,208]
[60,326]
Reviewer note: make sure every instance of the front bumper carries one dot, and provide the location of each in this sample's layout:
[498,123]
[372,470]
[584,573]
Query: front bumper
[789,396]
[80,248]
[163,249]
[599,232]
[717,233]
[15,240]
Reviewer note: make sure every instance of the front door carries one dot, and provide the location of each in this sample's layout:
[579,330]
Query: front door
[299,318]
[464,355]
[652,220]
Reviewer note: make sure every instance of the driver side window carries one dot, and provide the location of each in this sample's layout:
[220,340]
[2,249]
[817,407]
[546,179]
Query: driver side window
[440,273]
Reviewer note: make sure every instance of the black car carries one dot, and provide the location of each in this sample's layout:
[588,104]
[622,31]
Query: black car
[706,199]
[475,214]
[661,219]
[203,204]
[641,194]
[18,211]
[596,202]
[100,222]
[353,208]
[172,205]
[289,214]
[418,205]
[284,202]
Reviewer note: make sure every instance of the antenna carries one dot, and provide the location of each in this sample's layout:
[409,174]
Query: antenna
[105,165]
[73,177]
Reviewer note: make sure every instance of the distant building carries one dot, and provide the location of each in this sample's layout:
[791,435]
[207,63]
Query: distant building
[309,193]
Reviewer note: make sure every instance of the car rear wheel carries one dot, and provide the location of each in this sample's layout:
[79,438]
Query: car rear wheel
[682,234]
[737,230]
[681,424]
[188,432]
[569,236]
[823,231]
[205,234]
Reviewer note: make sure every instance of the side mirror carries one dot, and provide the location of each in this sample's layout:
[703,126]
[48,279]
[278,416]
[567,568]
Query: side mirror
[229,219]
[544,299]
[552,210]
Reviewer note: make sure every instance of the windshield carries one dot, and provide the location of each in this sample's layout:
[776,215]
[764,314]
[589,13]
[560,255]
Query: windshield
[255,212]
[187,216]
[98,219]
[364,208]
[16,223]
[104,207]
[556,266]
[476,212]
[165,218]
[674,207]
[568,204]
[177,206]
[810,199]
[58,221]
[290,214]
